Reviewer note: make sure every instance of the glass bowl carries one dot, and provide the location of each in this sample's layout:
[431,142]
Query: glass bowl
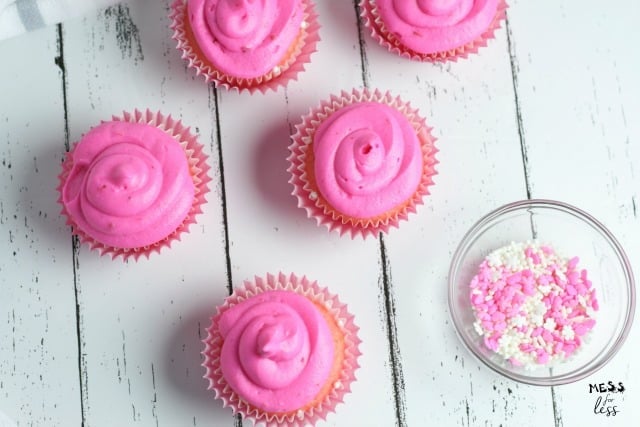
[571,232]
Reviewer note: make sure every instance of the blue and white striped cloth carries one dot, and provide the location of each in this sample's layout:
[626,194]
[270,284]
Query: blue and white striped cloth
[19,16]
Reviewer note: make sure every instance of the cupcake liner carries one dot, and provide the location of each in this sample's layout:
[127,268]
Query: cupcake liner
[302,175]
[298,56]
[372,20]
[320,296]
[198,168]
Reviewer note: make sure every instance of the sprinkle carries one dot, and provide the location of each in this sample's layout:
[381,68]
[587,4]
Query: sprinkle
[532,306]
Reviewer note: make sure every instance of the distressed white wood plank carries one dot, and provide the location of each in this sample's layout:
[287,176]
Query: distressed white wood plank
[141,323]
[471,106]
[579,98]
[39,375]
[268,233]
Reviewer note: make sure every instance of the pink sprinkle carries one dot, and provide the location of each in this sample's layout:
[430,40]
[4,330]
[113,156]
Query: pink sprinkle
[515,362]
[526,347]
[536,259]
[546,249]
[528,290]
[573,262]
[487,343]
[509,292]
[573,277]
[497,316]
[579,330]
[514,278]
[558,281]
[560,320]
[589,324]
[557,348]
[569,349]
[543,357]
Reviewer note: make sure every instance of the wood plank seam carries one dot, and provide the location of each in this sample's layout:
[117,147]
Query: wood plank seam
[386,287]
[82,368]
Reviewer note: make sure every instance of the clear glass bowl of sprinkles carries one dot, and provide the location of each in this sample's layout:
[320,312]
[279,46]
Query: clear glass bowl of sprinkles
[541,292]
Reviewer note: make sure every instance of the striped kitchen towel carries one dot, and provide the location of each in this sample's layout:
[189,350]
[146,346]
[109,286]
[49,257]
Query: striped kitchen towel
[19,16]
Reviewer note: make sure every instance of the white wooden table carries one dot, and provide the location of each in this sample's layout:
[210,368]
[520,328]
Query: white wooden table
[550,109]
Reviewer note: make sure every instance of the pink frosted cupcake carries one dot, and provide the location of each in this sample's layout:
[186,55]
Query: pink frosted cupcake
[134,184]
[246,45]
[361,162]
[281,351]
[433,30]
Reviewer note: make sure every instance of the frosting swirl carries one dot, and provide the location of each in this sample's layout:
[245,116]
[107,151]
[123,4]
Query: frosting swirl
[430,26]
[129,185]
[277,351]
[245,38]
[368,159]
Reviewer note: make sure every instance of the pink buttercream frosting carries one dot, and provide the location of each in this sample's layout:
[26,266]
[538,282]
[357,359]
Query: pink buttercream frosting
[430,26]
[129,185]
[277,350]
[245,38]
[368,159]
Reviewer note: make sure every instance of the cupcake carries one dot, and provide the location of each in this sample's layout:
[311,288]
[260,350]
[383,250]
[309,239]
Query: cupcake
[133,185]
[361,162]
[281,351]
[433,30]
[246,45]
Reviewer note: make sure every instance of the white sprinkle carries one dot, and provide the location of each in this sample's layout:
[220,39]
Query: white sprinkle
[478,328]
[567,332]
[518,321]
[549,324]
[544,289]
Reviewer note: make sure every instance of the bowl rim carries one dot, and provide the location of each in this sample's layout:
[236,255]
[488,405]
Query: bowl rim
[469,238]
